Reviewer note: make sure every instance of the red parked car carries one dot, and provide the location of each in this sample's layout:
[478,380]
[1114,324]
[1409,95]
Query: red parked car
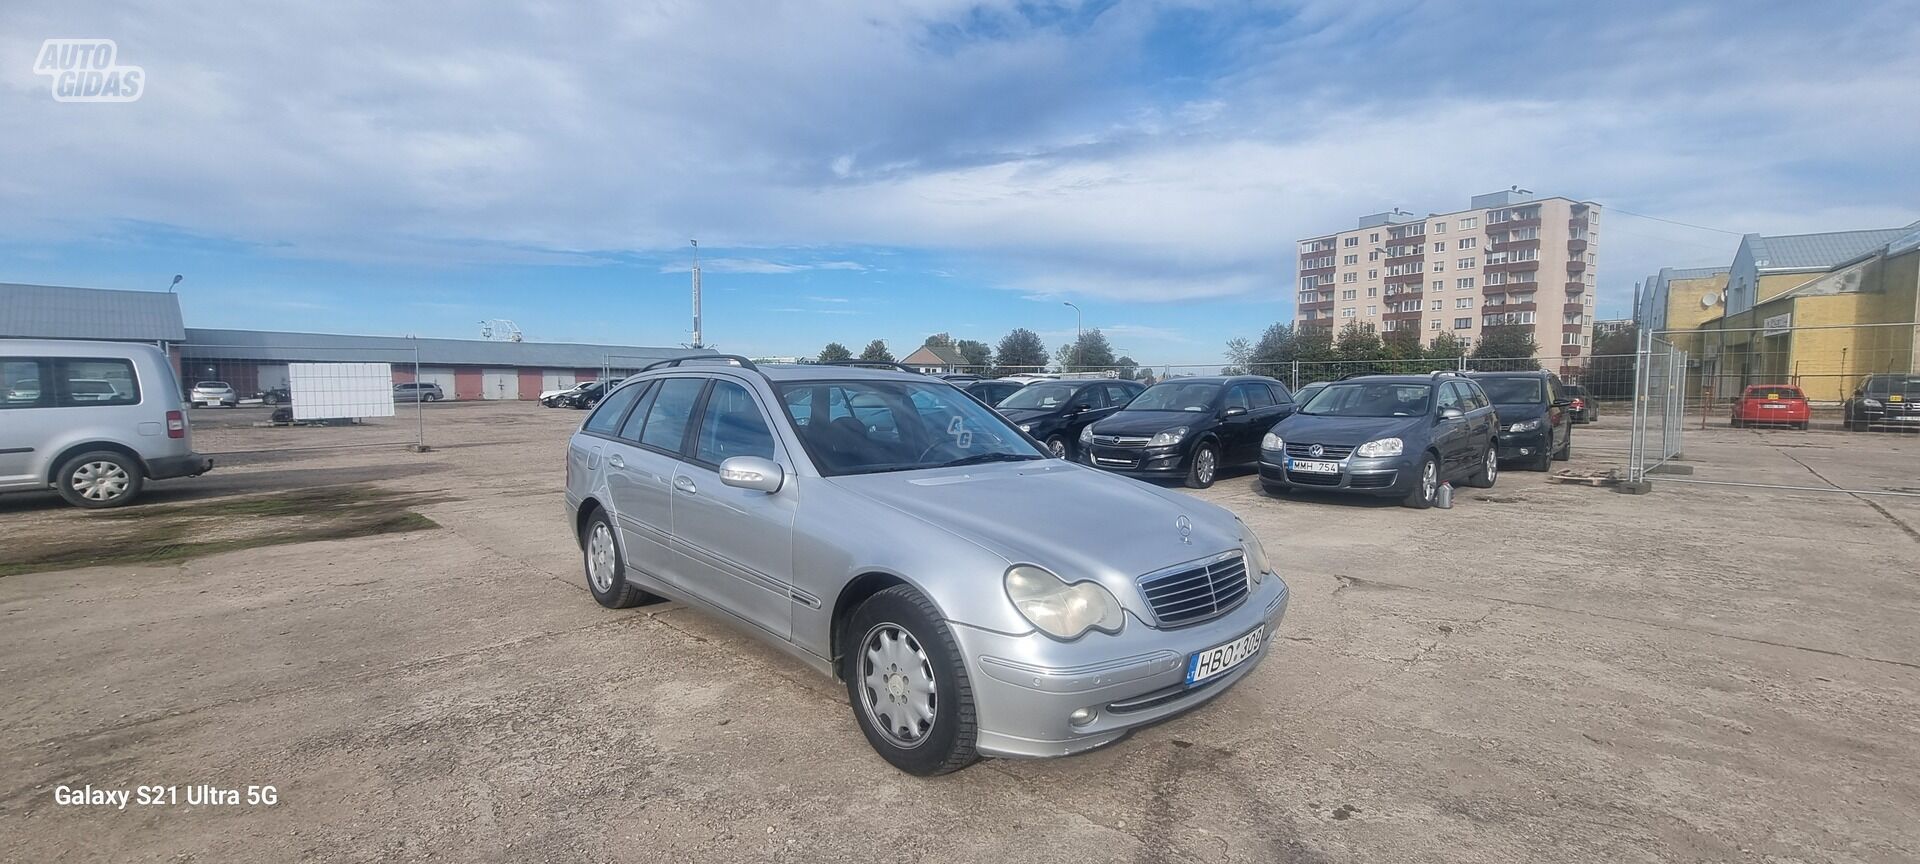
[1771,405]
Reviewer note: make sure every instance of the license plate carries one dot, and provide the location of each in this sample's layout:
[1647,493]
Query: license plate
[1773,406]
[1220,658]
[1894,398]
[1316,467]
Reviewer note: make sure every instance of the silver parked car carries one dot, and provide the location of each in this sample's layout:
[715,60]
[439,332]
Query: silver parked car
[92,420]
[211,393]
[977,597]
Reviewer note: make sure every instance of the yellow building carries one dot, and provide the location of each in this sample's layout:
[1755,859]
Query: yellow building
[1823,330]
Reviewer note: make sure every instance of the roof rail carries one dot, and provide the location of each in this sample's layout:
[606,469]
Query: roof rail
[883,364]
[672,362]
[1358,375]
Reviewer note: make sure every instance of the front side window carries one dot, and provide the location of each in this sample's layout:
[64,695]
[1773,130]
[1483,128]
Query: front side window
[1371,399]
[1041,397]
[732,426]
[868,427]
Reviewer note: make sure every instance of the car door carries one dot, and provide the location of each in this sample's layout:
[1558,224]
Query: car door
[736,544]
[25,393]
[1559,421]
[640,468]
[1450,435]
[1094,397]
[1239,441]
[1482,425]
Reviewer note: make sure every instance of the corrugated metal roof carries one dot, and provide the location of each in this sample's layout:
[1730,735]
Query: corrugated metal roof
[329,347]
[55,312]
[1820,251]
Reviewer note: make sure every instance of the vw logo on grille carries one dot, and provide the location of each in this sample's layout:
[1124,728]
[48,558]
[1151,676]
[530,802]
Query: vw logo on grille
[1316,450]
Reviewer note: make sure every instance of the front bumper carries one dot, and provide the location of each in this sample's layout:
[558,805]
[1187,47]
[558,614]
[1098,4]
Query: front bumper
[1169,461]
[1387,475]
[1524,445]
[1025,687]
[189,465]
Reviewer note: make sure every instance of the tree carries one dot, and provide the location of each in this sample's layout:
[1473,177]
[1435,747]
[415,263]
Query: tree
[1239,356]
[1610,370]
[1020,351]
[1402,345]
[1125,367]
[1275,352]
[1445,346]
[1506,348]
[1313,349]
[877,351]
[944,340]
[1089,353]
[979,357]
[834,352]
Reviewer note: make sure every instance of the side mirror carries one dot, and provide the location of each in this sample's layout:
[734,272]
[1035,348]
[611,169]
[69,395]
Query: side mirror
[1451,413]
[1083,407]
[1235,411]
[753,472]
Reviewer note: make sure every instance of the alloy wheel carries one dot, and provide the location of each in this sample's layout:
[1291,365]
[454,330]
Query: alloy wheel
[601,558]
[1429,481]
[1205,463]
[1493,465]
[100,481]
[898,690]
[1058,448]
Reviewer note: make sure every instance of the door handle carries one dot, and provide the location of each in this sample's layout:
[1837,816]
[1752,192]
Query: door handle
[685,484]
[616,461]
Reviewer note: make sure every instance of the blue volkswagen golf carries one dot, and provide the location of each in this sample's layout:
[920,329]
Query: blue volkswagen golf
[1397,436]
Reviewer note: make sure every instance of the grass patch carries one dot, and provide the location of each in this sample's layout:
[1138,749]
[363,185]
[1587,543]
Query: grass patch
[176,532]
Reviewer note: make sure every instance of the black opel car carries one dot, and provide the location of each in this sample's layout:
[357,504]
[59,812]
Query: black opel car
[1398,436]
[1536,428]
[1187,428]
[1054,412]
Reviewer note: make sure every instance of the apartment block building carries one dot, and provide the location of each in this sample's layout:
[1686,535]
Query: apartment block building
[1509,258]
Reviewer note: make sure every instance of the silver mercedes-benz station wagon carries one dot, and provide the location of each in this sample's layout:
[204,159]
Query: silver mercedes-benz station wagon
[977,597]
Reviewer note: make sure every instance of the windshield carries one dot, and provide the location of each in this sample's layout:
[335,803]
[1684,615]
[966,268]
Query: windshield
[1371,399]
[867,427]
[1893,384]
[1512,391]
[1041,396]
[1175,396]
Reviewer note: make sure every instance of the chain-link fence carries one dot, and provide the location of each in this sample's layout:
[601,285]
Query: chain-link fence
[312,397]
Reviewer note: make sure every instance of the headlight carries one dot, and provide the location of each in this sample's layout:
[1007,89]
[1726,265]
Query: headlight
[1086,434]
[1525,425]
[1382,447]
[1169,437]
[1870,403]
[1060,610]
[1257,566]
[1026,427]
[1271,441]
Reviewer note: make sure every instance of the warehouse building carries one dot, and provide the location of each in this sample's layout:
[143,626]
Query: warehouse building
[255,361]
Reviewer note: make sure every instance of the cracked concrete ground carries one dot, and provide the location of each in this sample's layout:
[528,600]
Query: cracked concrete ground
[1542,673]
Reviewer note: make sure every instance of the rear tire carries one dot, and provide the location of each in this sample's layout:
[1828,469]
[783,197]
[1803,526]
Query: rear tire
[898,655]
[99,479]
[1566,450]
[1205,466]
[606,566]
[1426,486]
[1489,469]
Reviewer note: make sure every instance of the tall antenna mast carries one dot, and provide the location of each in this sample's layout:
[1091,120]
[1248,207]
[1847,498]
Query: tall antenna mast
[696,295]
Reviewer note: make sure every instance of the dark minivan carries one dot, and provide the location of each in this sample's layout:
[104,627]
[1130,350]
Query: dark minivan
[1535,426]
[1188,428]
[1055,412]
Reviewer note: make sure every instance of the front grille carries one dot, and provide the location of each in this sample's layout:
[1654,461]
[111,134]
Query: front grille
[1328,451]
[1122,440]
[1306,478]
[1196,594]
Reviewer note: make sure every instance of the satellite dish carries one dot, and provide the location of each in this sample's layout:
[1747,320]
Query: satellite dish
[1708,299]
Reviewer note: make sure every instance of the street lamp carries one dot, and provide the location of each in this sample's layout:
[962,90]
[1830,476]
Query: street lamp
[176,280]
[1076,319]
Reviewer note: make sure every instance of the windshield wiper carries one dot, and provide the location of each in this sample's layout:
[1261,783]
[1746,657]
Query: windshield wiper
[982,458]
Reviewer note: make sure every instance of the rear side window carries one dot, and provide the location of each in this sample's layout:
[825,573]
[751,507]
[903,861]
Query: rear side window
[732,425]
[1280,394]
[671,411]
[107,381]
[1259,395]
[606,418]
[20,384]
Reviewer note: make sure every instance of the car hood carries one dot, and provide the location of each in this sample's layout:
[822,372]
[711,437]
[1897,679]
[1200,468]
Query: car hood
[1079,522]
[1149,422]
[1344,431]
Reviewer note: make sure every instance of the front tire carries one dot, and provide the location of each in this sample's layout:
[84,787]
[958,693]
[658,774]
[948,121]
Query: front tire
[907,685]
[606,566]
[1426,486]
[1206,466]
[99,479]
[1566,450]
[1489,469]
[1058,447]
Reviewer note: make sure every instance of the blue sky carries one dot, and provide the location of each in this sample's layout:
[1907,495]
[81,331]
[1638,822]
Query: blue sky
[889,170]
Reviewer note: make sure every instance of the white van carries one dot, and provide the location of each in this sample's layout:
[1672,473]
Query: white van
[92,420]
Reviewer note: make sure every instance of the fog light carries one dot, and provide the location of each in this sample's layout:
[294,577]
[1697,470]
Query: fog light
[1081,716]
[1525,450]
